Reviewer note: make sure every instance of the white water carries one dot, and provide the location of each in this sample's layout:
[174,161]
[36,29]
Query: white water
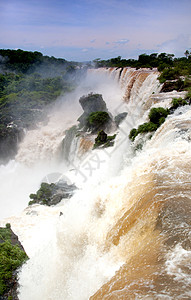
[68,256]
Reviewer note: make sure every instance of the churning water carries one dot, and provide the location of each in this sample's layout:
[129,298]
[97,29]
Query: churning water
[126,233]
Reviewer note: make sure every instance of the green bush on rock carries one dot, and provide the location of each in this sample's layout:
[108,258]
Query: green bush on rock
[11,258]
[147,127]
[53,193]
[104,140]
[43,194]
[156,116]
[169,74]
[97,119]
[177,102]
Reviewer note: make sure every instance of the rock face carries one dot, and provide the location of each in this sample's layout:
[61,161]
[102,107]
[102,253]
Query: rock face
[92,103]
[170,86]
[120,117]
[10,136]
[52,194]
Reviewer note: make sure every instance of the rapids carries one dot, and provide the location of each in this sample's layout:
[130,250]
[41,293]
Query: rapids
[126,233]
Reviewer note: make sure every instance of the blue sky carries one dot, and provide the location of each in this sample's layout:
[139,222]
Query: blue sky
[84,30]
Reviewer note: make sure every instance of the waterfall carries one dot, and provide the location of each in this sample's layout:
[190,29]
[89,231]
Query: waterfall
[125,233]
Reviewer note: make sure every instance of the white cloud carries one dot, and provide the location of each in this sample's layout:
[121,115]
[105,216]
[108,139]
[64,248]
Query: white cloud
[85,50]
[122,41]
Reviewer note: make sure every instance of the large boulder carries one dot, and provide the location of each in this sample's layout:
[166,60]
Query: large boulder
[90,104]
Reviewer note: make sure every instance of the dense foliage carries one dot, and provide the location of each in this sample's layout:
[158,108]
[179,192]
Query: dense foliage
[154,60]
[156,114]
[97,119]
[177,102]
[21,96]
[11,257]
[43,194]
[29,82]
[143,61]
[20,61]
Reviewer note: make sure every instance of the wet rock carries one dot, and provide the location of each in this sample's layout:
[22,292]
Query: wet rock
[67,142]
[52,194]
[92,103]
[170,86]
[120,117]
[10,136]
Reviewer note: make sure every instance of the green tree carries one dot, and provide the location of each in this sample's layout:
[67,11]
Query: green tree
[186,53]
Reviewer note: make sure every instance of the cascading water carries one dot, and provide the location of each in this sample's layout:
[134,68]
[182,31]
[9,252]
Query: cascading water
[125,234]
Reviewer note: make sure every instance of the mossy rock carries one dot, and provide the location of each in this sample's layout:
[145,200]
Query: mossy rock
[104,140]
[52,194]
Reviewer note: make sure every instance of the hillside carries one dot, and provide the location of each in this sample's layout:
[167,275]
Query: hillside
[29,84]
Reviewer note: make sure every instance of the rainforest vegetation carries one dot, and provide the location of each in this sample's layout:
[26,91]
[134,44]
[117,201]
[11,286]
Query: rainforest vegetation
[161,61]
[29,82]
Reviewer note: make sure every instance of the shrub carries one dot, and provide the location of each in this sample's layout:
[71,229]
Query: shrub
[177,102]
[161,120]
[169,74]
[43,194]
[147,127]
[157,117]
[11,257]
[104,139]
[133,133]
[97,119]
[156,114]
